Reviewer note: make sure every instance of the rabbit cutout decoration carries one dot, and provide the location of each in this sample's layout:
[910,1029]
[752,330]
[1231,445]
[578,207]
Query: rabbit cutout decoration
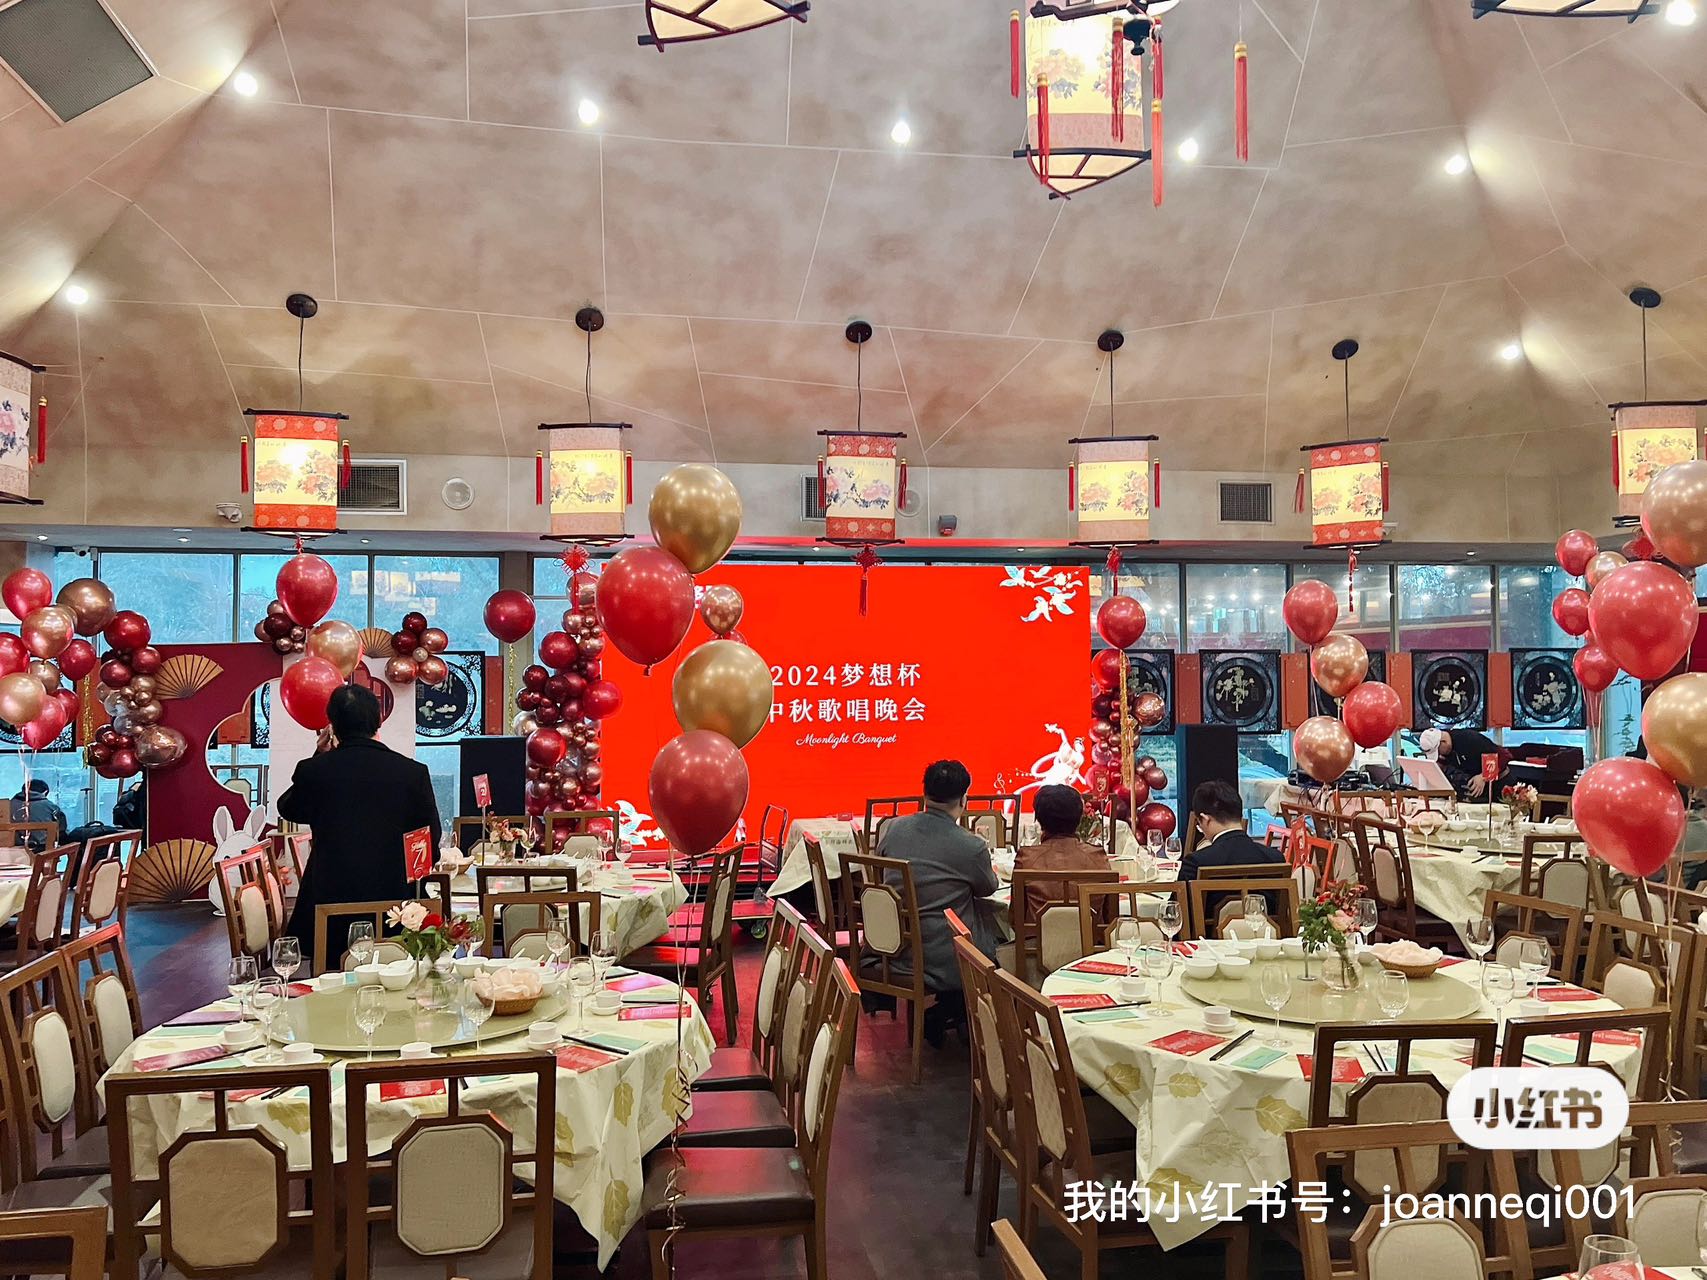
[229,840]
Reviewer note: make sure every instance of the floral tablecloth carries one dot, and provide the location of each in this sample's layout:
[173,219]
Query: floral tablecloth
[14,888]
[1220,1124]
[1454,884]
[608,1117]
[636,910]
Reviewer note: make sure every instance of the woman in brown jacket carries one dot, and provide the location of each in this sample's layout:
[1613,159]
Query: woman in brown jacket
[1058,811]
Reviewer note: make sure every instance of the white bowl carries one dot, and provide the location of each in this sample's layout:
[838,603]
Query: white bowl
[1291,948]
[368,975]
[416,1049]
[1218,1018]
[1201,967]
[299,1052]
[329,981]
[607,1002]
[240,1035]
[468,966]
[397,975]
[1268,950]
[1234,966]
[542,1034]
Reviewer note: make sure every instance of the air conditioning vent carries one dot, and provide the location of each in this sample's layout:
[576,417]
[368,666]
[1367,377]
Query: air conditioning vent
[377,488]
[811,499]
[69,53]
[1247,502]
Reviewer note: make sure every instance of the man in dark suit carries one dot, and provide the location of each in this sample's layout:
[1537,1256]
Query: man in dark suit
[1222,839]
[360,799]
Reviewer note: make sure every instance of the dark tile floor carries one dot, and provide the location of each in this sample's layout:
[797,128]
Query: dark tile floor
[896,1206]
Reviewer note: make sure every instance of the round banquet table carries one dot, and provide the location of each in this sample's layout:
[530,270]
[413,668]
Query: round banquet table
[1454,883]
[608,1116]
[1223,1122]
[637,911]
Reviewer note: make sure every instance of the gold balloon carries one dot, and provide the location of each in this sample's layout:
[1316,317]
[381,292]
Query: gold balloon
[1674,728]
[141,686]
[147,711]
[338,643]
[1324,748]
[695,514]
[49,675]
[1674,513]
[91,601]
[432,669]
[158,746]
[721,608]
[47,630]
[1601,565]
[400,670]
[1339,664]
[21,698]
[725,687]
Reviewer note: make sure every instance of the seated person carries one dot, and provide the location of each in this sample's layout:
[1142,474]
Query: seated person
[39,808]
[1223,842]
[1459,754]
[1058,811]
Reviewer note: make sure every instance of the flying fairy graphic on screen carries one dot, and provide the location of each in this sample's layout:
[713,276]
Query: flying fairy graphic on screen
[1055,590]
[1061,767]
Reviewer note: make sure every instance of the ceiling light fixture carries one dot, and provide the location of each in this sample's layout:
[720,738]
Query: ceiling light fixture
[1343,484]
[588,111]
[245,84]
[76,294]
[300,452]
[1457,163]
[1511,351]
[679,21]
[1119,468]
[1681,13]
[41,537]
[183,539]
[1649,435]
[901,134]
[591,478]
[1188,150]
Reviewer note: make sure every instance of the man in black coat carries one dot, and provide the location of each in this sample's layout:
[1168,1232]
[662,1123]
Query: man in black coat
[360,799]
[1223,841]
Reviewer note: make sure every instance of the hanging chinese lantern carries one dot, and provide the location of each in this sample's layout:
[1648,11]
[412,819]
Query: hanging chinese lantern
[1113,483]
[588,479]
[17,394]
[299,461]
[679,21]
[1627,9]
[1649,435]
[862,477]
[1345,481]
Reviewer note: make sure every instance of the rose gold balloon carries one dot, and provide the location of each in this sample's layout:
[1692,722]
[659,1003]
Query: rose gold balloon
[91,603]
[432,670]
[591,646]
[141,686]
[724,687]
[695,514]
[1339,664]
[1674,513]
[1601,565]
[47,673]
[1674,727]
[1324,748]
[524,723]
[147,711]
[337,642]
[159,746]
[1149,710]
[46,631]
[434,640]
[21,698]
[592,749]
[400,670]
[721,609]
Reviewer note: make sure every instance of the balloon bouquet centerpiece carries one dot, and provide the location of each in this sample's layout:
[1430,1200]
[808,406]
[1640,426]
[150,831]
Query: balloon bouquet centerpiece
[1122,783]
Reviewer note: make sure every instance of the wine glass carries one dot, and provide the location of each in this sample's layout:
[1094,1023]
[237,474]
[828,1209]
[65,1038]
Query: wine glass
[241,979]
[268,998]
[360,943]
[1499,986]
[1158,963]
[1172,847]
[1701,1229]
[602,949]
[1168,917]
[1124,936]
[1256,915]
[1276,985]
[556,941]
[1609,1258]
[1536,957]
[1479,938]
[583,978]
[1368,917]
[287,956]
[1393,991]
[477,1002]
[370,1013]
[1153,841]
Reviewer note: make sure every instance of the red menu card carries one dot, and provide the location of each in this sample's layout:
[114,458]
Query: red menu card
[1561,995]
[580,1057]
[396,1089]
[1346,1070]
[181,1058]
[1096,1000]
[641,1012]
[206,1018]
[1098,966]
[1187,1043]
[636,982]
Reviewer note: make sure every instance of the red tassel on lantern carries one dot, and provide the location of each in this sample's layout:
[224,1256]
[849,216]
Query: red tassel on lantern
[1241,102]
[1156,484]
[1156,68]
[1117,82]
[1617,468]
[1386,490]
[41,431]
[866,559]
[1350,577]
[821,497]
[901,486]
[243,475]
[1113,561]
[628,476]
[1072,487]
[1016,56]
[1298,493]
[538,479]
[348,469]
[1043,130]
[1156,148]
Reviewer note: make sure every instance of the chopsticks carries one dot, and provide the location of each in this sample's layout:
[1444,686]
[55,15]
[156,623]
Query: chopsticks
[1103,1008]
[1372,1051]
[594,1044]
[1233,1043]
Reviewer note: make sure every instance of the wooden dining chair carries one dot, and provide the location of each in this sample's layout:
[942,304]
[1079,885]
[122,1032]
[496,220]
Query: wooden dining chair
[1661,1209]
[1017,1262]
[712,1192]
[879,813]
[469,830]
[1384,1246]
[517,924]
[49,1073]
[1047,933]
[1102,905]
[578,837]
[1638,965]
[883,919]
[101,973]
[830,900]
[1539,847]
[523,878]
[41,920]
[1217,906]
[1053,1136]
[98,898]
[300,846]
[739,1067]
[995,818]
[1569,878]
[1517,917]
[385,950]
[253,906]
[1395,1086]
[1384,870]
[35,836]
[177,1205]
[708,963]
[443,1194]
[60,1242]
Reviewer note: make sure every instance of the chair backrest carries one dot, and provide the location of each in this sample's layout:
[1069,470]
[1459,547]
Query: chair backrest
[1640,964]
[773,838]
[469,829]
[1218,906]
[300,846]
[101,973]
[781,941]
[33,835]
[717,920]
[830,907]
[102,879]
[883,917]
[41,920]
[1141,900]
[76,1238]
[1017,1262]
[879,812]
[251,919]
[522,921]
[373,912]
[1384,870]
[1660,1214]
[1049,1111]
[1047,934]
[801,999]
[1517,916]
[579,822]
[1540,848]
[46,1059]
[196,1181]
[995,818]
[983,1027]
[1246,871]
[828,1056]
[443,1190]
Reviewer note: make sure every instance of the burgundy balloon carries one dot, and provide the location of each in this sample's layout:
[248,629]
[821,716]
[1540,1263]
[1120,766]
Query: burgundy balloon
[571,709]
[307,587]
[601,700]
[557,688]
[128,630]
[1643,614]
[528,699]
[1156,816]
[1641,547]
[124,762]
[146,661]
[404,643]
[546,747]
[557,650]
[26,590]
[1149,710]
[1102,753]
[99,753]
[276,625]
[107,736]
[547,714]
[1105,668]
[509,615]
[534,676]
[645,604]
[698,784]
[1570,611]
[574,686]
[14,655]
[1154,778]
[78,660]
[1121,621]
[1372,713]
[115,674]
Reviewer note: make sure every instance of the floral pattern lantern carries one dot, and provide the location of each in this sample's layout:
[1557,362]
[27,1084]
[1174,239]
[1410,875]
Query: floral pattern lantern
[16,394]
[678,21]
[299,461]
[1113,483]
[1649,435]
[862,477]
[1629,10]
[1345,481]
[589,480]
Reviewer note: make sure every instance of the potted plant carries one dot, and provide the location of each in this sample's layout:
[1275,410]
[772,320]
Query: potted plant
[1323,926]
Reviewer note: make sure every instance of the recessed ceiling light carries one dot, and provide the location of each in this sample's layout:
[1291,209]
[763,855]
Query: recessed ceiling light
[1511,351]
[365,541]
[245,84]
[1457,163]
[901,134]
[183,539]
[1681,13]
[588,111]
[76,294]
[180,531]
[1188,150]
[1469,553]
[41,537]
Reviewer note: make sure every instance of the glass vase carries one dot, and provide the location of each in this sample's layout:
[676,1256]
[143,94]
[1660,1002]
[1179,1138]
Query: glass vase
[1339,970]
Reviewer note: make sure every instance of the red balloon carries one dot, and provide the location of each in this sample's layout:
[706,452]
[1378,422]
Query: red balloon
[115,674]
[1139,793]
[1574,550]
[546,747]
[1156,816]
[78,660]
[1595,671]
[404,643]
[47,725]
[1102,753]
[14,656]
[698,784]
[1630,814]
[145,661]
[128,630]
[26,590]
[99,754]
[68,699]
[528,699]
[509,615]
[1641,547]
[1311,608]
[1570,611]
[574,687]
[414,623]
[534,676]
[1643,614]
[601,700]
[306,688]
[1105,668]
[547,714]
[557,650]
[307,587]
[1372,713]
[1149,710]
[1154,778]
[1121,621]
[124,763]
[645,604]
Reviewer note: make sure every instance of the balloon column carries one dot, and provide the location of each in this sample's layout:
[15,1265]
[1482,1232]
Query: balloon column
[1121,781]
[1370,711]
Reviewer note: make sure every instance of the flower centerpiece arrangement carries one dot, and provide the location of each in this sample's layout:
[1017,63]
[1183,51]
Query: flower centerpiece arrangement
[1323,926]
[426,935]
[509,838]
[1520,796]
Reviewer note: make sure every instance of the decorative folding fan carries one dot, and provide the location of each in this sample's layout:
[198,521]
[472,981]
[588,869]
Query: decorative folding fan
[376,643]
[185,674]
[171,871]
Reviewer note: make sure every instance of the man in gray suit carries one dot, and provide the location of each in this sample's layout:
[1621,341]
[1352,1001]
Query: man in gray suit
[951,872]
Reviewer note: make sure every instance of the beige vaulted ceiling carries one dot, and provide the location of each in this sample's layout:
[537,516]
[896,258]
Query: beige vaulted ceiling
[419,166]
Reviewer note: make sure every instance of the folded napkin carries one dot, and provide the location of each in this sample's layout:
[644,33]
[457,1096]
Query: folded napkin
[511,983]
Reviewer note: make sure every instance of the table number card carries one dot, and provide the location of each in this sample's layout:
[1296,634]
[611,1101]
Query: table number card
[418,852]
[482,791]
[1186,1043]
